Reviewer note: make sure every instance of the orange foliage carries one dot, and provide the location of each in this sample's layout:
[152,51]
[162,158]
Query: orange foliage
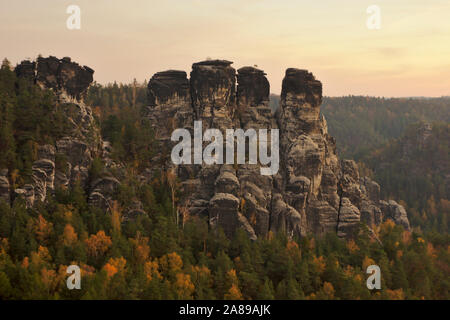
[141,248]
[348,271]
[184,286]
[115,265]
[151,269]
[234,293]
[293,250]
[70,237]
[98,244]
[367,262]
[232,276]
[49,279]
[25,263]
[200,272]
[352,246]
[319,264]
[86,270]
[396,294]
[42,228]
[42,256]
[171,263]
[328,290]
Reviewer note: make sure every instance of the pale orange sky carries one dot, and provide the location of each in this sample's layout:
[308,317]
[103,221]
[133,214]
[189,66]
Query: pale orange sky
[122,40]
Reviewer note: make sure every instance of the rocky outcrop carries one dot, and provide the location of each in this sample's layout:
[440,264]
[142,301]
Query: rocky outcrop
[103,191]
[26,193]
[213,93]
[312,192]
[58,74]
[68,160]
[396,212]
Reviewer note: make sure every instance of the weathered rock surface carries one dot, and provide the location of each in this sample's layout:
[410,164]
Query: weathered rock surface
[396,212]
[58,74]
[213,93]
[67,162]
[312,192]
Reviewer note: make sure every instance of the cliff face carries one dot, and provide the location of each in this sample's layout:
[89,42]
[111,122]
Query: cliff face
[312,192]
[67,161]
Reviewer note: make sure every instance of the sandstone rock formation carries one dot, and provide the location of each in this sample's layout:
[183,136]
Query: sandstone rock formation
[313,192]
[58,74]
[67,161]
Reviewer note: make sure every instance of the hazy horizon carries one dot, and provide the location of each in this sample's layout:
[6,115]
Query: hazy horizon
[407,57]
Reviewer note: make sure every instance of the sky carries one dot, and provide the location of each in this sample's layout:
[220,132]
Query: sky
[121,40]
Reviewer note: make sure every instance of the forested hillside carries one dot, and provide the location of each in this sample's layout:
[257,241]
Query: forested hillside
[361,124]
[416,169]
[151,256]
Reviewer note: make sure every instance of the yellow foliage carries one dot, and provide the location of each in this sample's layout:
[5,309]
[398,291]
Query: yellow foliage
[352,246]
[184,286]
[151,269]
[387,226]
[171,262]
[234,293]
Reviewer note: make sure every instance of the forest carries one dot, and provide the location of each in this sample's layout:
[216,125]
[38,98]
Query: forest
[154,257]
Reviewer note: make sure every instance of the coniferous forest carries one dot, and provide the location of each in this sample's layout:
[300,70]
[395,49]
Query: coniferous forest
[156,257]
